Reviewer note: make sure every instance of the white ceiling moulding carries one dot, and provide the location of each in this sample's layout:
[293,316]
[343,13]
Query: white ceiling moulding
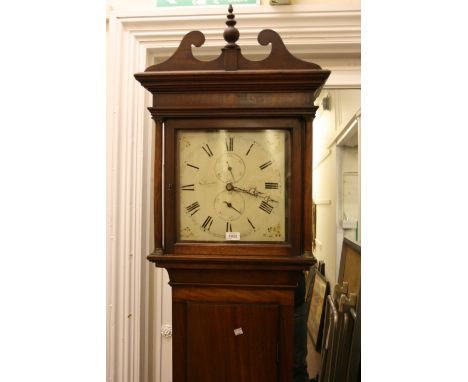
[328,36]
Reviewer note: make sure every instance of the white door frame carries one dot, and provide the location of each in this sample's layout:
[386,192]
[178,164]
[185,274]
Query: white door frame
[351,128]
[329,36]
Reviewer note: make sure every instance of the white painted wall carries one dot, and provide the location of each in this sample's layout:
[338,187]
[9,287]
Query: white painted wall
[349,205]
[329,126]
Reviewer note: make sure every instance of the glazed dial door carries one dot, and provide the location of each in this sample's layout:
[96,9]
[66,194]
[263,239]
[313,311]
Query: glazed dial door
[232,185]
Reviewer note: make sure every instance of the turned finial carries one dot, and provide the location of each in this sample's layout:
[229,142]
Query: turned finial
[231,34]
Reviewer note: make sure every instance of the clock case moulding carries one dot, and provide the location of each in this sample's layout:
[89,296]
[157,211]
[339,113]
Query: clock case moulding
[231,86]
[233,277]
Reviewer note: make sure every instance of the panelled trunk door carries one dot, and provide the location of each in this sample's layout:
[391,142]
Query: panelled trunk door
[237,342]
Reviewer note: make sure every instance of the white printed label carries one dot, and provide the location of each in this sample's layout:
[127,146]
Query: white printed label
[232,235]
[238,331]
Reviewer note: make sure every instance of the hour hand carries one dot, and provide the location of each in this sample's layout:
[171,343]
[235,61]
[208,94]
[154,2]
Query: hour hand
[230,170]
[231,206]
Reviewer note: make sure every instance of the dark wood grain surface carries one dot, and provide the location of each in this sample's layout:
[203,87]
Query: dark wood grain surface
[220,287]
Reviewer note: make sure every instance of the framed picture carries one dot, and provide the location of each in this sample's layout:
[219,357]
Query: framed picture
[354,370]
[321,267]
[320,289]
[329,351]
[309,276]
[350,266]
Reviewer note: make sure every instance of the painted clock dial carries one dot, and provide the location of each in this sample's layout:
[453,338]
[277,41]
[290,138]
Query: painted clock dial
[232,184]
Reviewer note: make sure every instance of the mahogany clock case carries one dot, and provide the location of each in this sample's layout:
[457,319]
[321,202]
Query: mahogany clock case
[293,185]
[233,302]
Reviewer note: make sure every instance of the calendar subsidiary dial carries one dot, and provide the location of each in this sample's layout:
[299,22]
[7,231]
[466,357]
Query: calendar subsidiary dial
[232,181]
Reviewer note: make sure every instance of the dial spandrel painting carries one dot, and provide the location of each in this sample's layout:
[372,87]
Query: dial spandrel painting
[232,185]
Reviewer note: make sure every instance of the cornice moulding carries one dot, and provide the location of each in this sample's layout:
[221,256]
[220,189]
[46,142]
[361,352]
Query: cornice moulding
[145,12]
[330,37]
[256,18]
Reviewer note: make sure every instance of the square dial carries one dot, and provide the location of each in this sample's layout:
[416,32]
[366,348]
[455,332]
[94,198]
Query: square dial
[232,185]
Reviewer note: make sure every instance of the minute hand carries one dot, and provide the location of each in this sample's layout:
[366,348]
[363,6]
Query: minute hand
[255,193]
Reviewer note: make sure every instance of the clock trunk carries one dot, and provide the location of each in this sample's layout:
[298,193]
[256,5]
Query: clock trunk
[233,203]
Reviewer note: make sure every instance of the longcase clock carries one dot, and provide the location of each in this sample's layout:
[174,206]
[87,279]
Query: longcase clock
[233,203]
